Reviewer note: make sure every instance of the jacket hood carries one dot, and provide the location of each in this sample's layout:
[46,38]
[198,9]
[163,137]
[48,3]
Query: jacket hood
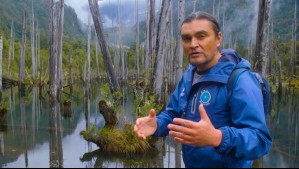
[231,55]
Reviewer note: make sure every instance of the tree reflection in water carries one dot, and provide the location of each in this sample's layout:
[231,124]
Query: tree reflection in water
[35,134]
[283,122]
[55,130]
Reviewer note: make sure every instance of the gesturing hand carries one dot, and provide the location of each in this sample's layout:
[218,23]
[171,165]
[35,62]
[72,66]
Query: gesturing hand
[200,133]
[146,126]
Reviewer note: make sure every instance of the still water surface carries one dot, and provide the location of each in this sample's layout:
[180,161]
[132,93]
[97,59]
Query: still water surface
[37,134]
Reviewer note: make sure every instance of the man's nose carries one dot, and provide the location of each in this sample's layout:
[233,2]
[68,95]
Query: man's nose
[194,43]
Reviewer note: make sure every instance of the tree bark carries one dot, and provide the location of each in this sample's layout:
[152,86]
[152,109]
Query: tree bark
[163,26]
[150,26]
[100,34]
[262,26]
[179,41]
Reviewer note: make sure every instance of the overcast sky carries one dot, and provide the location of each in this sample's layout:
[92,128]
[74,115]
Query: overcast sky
[108,9]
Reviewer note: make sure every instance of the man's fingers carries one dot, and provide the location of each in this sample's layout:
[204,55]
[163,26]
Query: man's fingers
[203,113]
[152,113]
[183,122]
[180,128]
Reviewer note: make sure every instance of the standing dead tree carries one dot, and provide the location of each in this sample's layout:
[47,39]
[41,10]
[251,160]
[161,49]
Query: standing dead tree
[137,41]
[94,8]
[52,58]
[163,27]
[11,46]
[261,35]
[59,45]
[294,39]
[23,50]
[120,43]
[1,48]
[33,66]
[181,14]
[55,60]
[150,33]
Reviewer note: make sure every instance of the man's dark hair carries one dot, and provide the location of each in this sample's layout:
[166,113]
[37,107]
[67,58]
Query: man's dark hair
[203,15]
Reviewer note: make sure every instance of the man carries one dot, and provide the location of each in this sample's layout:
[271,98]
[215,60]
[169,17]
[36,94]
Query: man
[215,131]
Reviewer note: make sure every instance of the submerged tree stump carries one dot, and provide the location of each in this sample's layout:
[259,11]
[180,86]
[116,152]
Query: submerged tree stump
[109,114]
[67,108]
[3,121]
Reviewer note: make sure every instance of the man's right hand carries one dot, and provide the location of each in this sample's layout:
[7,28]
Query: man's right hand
[146,126]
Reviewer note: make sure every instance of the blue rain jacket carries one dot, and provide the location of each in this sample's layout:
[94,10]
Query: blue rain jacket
[241,118]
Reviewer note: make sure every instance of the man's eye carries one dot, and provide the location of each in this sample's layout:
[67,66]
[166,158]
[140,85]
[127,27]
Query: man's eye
[186,39]
[201,36]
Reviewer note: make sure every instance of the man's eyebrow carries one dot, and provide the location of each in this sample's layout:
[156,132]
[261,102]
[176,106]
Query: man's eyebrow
[196,33]
[201,32]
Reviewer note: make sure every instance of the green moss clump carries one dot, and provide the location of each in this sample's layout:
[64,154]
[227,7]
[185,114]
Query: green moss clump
[117,141]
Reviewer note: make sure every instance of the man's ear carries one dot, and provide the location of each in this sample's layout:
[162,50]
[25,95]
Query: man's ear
[219,39]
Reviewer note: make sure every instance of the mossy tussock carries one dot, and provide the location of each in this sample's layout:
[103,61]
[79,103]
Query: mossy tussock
[116,140]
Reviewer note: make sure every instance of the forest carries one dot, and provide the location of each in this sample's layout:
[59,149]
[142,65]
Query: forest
[75,35]
[43,43]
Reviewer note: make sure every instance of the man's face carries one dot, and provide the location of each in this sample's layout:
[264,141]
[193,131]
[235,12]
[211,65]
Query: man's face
[200,43]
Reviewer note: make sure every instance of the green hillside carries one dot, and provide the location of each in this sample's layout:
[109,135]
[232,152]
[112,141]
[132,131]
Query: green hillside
[14,9]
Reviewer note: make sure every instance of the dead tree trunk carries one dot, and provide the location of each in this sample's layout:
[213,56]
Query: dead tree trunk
[55,60]
[194,5]
[262,27]
[121,53]
[59,45]
[52,58]
[172,79]
[150,26]
[71,80]
[137,42]
[93,4]
[1,49]
[294,39]
[33,44]
[97,58]
[179,43]
[278,62]
[10,45]
[163,26]
[87,80]
[23,49]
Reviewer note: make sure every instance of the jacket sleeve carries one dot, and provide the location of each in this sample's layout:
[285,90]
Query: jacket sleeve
[172,111]
[249,137]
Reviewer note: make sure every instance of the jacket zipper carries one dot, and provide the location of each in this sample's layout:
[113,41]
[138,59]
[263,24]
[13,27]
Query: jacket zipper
[193,106]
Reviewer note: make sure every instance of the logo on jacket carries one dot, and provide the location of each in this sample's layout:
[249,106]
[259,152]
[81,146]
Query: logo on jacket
[205,97]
